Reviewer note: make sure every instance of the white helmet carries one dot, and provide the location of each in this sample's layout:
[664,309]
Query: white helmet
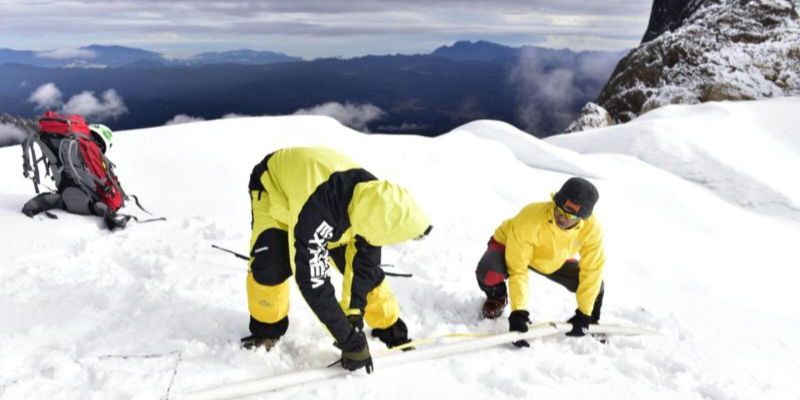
[102,135]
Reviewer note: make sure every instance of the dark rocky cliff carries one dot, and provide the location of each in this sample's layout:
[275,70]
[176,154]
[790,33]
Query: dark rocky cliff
[708,50]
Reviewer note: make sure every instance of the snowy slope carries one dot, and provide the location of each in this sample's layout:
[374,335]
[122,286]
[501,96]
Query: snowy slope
[153,311]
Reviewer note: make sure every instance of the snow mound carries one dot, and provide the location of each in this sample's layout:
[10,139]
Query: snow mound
[739,150]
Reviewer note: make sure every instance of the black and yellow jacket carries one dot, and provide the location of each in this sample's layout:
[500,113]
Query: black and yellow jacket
[534,240]
[324,199]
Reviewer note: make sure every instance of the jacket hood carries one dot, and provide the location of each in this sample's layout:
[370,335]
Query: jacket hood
[385,213]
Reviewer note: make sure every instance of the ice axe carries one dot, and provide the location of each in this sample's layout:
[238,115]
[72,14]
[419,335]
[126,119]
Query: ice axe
[238,255]
[388,269]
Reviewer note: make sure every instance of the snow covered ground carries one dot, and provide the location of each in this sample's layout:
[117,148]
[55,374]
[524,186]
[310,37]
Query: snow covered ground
[700,206]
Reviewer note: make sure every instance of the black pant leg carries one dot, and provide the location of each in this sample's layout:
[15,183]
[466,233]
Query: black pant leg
[492,273]
[77,200]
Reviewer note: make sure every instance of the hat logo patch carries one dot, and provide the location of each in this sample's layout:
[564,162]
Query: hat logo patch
[569,205]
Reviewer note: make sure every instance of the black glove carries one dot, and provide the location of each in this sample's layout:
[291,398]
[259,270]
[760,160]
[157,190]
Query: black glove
[518,322]
[394,335]
[355,352]
[357,321]
[580,324]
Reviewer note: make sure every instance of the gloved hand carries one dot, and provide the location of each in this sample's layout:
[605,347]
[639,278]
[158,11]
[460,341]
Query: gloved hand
[580,324]
[518,322]
[357,321]
[355,352]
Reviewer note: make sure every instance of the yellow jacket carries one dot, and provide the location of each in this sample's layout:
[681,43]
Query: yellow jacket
[534,240]
[380,211]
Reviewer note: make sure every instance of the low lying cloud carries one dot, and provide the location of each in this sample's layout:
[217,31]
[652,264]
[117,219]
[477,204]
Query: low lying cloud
[183,119]
[404,127]
[46,97]
[234,115]
[543,95]
[66,53]
[109,105]
[549,98]
[600,65]
[356,116]
[10,134]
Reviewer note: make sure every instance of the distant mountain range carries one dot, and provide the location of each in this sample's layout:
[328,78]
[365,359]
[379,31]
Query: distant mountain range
[97,56]
[539,90]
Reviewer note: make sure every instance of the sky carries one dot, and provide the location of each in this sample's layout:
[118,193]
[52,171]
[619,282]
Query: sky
[697,237]
[319,28]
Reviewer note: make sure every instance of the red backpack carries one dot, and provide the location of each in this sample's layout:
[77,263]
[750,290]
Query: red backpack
[72,158]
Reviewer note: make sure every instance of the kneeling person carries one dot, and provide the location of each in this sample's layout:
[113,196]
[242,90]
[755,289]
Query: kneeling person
[544,237]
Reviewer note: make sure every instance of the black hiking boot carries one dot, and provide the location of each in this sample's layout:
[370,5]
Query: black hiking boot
[42,202]
[264,334]
[493,307]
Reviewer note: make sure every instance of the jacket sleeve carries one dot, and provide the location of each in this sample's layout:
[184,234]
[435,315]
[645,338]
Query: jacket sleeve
[312,272]
[590,277]
[519,251]
[366,272]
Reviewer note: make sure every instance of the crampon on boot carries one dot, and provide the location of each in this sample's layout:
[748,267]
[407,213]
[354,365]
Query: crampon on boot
[253,342]
[493,307]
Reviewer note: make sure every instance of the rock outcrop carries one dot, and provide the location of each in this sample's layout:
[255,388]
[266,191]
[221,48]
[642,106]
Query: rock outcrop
[592,116]
[708,50]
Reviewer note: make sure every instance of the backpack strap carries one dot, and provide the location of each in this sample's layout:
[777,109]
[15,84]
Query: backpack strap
[30,169]
[30,162]
[109,166]
[69,150]
[50,160]
[136,200]
[144,221]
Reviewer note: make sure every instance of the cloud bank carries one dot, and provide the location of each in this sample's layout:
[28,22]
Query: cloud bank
[356,116]
[66,53]
[10,134]
[547,96]
[109,105]
[322,28]
[46,97]
[183,119]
